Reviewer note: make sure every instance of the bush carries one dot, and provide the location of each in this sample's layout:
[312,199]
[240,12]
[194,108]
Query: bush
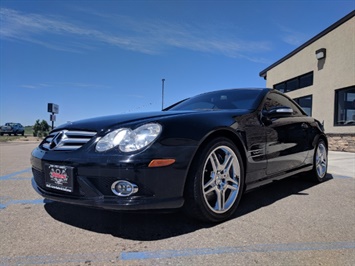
[40,129]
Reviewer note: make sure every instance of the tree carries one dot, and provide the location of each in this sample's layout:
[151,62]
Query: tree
[44,126]
[40,128]
[36,128]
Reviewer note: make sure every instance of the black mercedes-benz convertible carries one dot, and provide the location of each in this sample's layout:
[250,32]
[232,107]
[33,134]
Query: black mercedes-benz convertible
[199,154]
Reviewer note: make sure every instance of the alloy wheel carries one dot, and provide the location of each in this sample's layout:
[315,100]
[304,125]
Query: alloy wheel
[321,160]
[221,179]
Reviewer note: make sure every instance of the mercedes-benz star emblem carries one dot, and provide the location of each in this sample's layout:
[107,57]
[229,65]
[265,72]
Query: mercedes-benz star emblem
[57,139]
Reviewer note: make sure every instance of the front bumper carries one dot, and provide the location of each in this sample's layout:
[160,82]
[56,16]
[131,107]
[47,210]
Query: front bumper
[158,188]
[112,203]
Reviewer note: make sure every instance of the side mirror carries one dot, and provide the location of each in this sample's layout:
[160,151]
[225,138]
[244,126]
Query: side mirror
[278,111]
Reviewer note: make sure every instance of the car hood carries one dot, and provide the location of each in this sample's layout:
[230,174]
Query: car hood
[101,124]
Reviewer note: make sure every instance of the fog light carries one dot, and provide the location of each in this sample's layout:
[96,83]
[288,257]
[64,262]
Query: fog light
[123,188]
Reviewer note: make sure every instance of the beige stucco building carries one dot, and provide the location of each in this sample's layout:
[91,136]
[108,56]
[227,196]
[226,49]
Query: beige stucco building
[320,76]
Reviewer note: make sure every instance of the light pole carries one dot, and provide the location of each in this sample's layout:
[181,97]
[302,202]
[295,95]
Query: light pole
[162,94]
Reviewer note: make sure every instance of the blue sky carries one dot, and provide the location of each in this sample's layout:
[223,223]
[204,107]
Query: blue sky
[96,58]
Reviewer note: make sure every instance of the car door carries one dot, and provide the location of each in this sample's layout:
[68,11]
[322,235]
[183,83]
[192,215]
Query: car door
[286,133]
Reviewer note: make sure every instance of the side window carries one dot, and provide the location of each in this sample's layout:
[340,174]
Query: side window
[275,100]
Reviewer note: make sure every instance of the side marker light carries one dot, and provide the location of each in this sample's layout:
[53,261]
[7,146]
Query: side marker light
[161,162]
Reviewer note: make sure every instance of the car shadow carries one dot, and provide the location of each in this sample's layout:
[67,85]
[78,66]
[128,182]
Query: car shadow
[156,226]
[275,191]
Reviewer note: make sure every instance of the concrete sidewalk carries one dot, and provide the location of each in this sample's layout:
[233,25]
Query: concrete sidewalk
[341,164]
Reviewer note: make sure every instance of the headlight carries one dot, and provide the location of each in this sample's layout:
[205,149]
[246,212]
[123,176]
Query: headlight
[129,140]
[112,139]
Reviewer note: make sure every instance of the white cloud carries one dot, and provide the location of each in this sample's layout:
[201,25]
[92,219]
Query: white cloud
[71,85]
[149,36]
[292,37]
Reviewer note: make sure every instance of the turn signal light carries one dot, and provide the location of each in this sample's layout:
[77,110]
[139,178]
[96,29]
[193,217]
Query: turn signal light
[161,162]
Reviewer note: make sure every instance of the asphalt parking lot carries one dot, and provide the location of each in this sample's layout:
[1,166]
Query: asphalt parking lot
[290,222]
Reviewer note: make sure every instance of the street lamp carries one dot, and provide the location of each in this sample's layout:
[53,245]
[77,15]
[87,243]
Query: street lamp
[162,94]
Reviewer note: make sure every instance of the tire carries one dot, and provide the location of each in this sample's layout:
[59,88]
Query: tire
[215,182]
[320,162]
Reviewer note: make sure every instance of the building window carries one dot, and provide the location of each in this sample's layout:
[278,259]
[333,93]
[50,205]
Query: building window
[295,83]
[280,87]
[306,103]
[345,107]
[292,84]
[306,80]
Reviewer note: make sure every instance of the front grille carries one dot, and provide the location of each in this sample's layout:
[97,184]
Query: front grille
[67,140]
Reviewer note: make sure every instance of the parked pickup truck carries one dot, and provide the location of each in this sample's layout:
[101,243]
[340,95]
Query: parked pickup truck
[12,128]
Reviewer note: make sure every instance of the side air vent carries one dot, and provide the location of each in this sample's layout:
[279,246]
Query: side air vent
[66,140]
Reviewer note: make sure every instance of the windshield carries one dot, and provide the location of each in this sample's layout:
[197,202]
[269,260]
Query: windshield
[221,100]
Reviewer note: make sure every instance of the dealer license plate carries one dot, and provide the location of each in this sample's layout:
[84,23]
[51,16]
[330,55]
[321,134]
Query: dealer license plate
[59,177]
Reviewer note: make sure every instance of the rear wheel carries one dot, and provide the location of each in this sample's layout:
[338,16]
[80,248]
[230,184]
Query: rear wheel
[320,162]
[215,182]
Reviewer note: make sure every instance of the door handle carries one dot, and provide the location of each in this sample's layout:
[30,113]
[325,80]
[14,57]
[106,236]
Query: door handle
[304,125]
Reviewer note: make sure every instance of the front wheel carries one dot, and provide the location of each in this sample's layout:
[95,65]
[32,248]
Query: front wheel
[215,182]
[320,162]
